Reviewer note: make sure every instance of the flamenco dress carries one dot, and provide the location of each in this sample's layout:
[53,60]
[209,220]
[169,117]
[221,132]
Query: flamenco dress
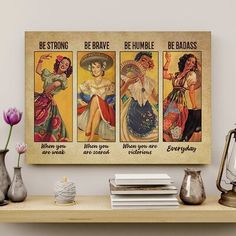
[48,123]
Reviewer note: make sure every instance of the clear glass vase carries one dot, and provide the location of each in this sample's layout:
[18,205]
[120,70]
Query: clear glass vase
[17,191]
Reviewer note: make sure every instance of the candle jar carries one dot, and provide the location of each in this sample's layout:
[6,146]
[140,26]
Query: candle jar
[65,192]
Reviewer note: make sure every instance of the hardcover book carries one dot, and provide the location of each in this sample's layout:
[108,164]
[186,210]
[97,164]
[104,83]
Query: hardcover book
[141,189]
[142,179]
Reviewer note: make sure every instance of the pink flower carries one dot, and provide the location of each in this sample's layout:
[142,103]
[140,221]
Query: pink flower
[12,116]
[60,58]
[21,148]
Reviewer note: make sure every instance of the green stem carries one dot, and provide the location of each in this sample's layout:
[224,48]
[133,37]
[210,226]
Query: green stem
[18,162]
[9,135]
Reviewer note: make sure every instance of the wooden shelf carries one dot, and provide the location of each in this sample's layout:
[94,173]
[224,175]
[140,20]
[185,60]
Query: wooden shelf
[93,209]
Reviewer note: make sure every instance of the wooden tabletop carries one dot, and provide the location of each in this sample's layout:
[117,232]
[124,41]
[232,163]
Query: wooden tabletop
[93,209]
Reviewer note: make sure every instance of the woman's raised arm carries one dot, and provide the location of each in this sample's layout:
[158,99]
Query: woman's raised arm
[166,74]
[39,65]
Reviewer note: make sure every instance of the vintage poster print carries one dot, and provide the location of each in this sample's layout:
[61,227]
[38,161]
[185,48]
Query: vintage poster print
[182,97]
[138,96]
[53,97]
[96,96]
[118,97]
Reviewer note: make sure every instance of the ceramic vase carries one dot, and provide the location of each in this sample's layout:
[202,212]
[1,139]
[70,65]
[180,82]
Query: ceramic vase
[17,191]
[192,191]
[2,197]
[5,180]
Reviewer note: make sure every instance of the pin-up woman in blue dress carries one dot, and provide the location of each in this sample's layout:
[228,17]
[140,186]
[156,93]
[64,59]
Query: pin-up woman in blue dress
[139,116]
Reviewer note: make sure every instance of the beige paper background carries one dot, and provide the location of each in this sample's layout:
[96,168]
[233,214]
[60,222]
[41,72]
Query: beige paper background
[74,151]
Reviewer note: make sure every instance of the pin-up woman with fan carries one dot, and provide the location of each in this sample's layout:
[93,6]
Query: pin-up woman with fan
[139,116]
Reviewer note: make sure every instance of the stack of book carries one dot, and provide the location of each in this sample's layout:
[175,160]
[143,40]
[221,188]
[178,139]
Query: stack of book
[143,191]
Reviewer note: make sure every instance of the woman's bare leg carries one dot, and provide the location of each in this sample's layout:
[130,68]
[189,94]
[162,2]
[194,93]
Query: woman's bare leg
[95,123]
[93,109]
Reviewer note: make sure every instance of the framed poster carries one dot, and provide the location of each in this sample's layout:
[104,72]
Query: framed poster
[118,97]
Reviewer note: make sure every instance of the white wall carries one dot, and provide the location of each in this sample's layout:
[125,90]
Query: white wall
[149,15]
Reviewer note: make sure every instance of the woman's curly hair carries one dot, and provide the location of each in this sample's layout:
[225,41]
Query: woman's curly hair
[69,70]
[183,59]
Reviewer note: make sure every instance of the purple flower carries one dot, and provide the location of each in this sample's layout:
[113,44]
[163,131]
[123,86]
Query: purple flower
[12,116]
[21,148]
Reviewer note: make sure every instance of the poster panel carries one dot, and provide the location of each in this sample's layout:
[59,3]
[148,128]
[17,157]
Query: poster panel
[118,97]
